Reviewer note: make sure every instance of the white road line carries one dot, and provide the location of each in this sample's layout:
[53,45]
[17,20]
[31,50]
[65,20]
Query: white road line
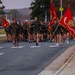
[35,46]
[1,47]
[2,35]
[18,47]
[1,53]
[53,46]
[46,73]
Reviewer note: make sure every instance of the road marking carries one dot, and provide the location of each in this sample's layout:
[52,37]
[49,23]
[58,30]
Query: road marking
[18,47]
[2,35]
[53,46]
[46,73]
[1,53]
[35,46]
[1,47]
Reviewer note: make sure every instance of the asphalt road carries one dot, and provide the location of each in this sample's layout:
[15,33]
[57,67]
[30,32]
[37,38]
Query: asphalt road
[28,59]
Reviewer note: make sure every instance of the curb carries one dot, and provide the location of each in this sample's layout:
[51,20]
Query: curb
[59,63]
[2,35]
[57,73]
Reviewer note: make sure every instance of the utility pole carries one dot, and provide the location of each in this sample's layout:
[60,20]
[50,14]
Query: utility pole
[61,8]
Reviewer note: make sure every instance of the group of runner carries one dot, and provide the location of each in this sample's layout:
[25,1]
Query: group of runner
[36,31]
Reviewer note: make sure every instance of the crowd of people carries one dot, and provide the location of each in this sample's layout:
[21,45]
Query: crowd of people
[36,31]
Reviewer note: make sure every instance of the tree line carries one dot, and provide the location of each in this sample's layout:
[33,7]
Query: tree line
[42,7]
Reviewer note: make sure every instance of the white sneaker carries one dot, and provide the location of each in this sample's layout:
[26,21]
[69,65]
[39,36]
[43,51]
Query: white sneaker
[67,42]
[61,43]
[57,44]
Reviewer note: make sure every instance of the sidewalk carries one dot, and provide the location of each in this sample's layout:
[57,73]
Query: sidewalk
[63,65]
[2,35]
[70,67]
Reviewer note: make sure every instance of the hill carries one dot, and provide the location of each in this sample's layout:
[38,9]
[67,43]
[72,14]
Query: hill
[24,11]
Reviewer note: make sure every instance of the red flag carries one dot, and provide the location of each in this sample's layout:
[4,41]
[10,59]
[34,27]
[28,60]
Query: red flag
[5,23]
[53,15]
[67,22]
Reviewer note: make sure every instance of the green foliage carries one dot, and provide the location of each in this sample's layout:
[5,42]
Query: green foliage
[40,7]
[2,31]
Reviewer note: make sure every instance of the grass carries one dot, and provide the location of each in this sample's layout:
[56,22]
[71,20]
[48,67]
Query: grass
[2,38]
[2,31]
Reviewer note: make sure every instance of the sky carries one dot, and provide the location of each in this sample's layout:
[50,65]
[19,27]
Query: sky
[13,4]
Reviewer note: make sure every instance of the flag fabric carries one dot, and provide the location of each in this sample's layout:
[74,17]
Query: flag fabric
[5,23]
[67,22]
[53,15]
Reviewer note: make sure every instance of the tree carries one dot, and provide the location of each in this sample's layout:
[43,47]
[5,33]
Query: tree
[40,7]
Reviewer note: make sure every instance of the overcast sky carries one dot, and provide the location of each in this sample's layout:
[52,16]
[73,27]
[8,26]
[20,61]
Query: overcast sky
[13,4]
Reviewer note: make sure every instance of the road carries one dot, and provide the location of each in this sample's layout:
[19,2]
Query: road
[27,59]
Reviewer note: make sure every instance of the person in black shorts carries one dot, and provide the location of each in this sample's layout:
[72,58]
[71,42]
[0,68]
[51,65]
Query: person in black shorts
[36,25]
[8,33]
[15,30]
[57,32]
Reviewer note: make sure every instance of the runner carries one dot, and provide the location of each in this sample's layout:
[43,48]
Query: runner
[30,32]
[66,35]
[41,32]
[8,33]
[37,25]
[49,33]
[15,32]
[57,32]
